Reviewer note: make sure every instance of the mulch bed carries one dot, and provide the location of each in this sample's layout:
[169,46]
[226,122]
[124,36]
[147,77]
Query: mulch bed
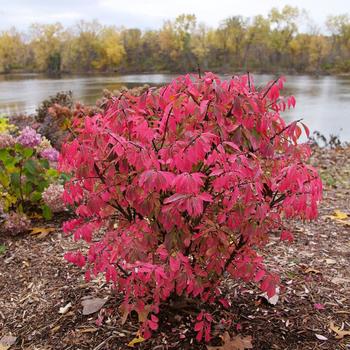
[35,282]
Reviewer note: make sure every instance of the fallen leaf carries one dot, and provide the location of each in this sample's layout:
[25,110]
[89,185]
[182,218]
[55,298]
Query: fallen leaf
[121,334]
[7,341]
[55,329]
[41,232]
[340,333]
[339,217]
[88,330]
[273,300]
[330,261]
[339,280]
[124,312]
[311,270]
[64,309]
[2,249]
[143,315]
[92,305]
[321,337]
[236,343]
[319,306]
[138,339]
[35,216]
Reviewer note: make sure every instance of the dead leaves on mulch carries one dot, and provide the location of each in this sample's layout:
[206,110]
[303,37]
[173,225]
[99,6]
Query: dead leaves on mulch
[92,305]
[42,232]
[236,343]
[7,341]
[138,339]
[339,217]
[340,333]
[44,305]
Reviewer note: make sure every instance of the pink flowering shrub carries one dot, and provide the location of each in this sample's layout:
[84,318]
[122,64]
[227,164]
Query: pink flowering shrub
[53,197]
[187,183]
[50,154]
[6,140]
[27,166]
[28,137]
[15,223]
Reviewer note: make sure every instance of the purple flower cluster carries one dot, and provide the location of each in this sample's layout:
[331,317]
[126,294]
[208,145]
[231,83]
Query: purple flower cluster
[29,137]
[50,154]
[16,223]
[52,197]
[6,140]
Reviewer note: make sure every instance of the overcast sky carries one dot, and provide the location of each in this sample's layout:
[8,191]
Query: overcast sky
[146,14]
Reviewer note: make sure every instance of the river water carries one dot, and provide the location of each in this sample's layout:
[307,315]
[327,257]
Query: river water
[322,102]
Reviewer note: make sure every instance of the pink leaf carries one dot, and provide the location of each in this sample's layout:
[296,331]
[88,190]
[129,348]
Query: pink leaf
[259,275]
[287,236]
[199,326]
[318,306]
[174,264]
[153,325]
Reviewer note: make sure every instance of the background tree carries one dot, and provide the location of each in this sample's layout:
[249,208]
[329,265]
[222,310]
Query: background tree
[258,46]
[283,29]
[84,48]
[12,50]
[175,42]
[199,46]
[132,42]
[339,28]
[112,49]
[231,37]
[272,43]
[46,45]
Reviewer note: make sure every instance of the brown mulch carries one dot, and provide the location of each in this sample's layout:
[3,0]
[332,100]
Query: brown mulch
[35,282]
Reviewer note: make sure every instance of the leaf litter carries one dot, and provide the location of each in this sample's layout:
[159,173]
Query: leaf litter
[314,270]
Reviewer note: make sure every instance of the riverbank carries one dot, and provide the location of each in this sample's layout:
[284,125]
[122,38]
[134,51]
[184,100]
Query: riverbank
[317,98]
[41,295]
[219,71]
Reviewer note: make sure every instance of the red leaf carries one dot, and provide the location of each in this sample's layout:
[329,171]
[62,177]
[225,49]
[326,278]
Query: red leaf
[153,325]
[307,131]
[199,326]
[174,264]
[179,180]
[318,306]
[287,236]
[224,302]
[259,275]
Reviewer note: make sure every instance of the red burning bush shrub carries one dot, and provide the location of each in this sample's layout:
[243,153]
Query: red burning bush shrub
[186,183]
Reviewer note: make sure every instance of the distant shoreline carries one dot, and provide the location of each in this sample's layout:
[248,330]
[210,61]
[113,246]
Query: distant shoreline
[136,73]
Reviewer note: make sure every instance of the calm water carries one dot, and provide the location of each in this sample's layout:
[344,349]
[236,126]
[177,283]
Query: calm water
[323,102]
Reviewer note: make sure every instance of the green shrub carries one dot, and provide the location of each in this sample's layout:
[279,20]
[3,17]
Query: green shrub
[27,168]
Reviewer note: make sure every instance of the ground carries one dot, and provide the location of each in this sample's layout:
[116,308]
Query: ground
[314,299]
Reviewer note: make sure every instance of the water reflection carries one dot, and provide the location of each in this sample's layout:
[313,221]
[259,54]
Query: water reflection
[323,102]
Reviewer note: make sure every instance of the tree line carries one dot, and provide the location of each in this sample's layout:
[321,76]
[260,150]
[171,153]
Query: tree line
[269,43]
